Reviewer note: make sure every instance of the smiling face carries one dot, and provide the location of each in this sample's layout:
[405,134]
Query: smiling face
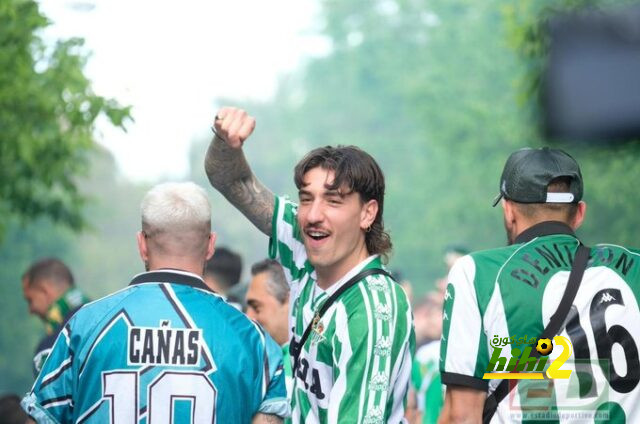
[333,224]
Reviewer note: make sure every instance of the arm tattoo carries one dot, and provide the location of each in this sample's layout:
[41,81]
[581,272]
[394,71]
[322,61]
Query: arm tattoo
[230,174]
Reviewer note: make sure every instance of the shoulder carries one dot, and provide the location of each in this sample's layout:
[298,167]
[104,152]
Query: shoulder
[622,260]
[88,312]
[376,297]
[494,258]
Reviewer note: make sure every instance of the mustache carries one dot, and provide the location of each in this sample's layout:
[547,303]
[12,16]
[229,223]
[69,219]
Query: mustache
[316,228]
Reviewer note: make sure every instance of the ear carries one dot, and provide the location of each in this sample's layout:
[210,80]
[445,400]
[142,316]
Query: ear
[211,245]
[142,246]
[511,217]
[368,214]
[509,211]
[579,217]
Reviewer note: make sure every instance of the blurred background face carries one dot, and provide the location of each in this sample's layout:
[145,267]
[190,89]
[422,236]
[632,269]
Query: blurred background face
[37,298]
[266,309]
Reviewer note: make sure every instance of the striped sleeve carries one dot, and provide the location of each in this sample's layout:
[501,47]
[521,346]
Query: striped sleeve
[462,346]
[286,244]
[275,400]
[50,399]
[372,345]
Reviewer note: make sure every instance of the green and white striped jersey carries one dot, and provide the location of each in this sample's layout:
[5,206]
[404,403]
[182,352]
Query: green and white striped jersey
[355,368]
[511,293]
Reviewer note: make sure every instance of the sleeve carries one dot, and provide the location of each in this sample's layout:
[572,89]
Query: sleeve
[285,244]
[41,353]
[463,350]
[50,399]
[275,399]
[373,347]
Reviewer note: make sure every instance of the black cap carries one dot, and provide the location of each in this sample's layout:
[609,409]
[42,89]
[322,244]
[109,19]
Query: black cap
[528,172]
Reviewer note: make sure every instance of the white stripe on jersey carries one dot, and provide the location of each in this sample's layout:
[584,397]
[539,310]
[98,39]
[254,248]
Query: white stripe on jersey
[59,403]
[57,370]
[465,326]
[368,308]
[65,333]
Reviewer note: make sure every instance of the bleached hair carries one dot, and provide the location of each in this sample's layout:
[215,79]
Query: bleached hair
[176,208]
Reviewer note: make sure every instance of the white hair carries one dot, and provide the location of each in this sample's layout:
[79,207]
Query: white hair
[176,208]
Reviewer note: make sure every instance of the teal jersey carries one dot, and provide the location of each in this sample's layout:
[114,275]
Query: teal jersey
[356,364]
[503,299]
[164,349]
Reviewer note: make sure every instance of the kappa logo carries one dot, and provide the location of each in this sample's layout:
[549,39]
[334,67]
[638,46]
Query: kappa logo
[447,295]
[382,347]
[379,382]
[383,312]
[378,283]
[374,416]
[606,297]
[445,317]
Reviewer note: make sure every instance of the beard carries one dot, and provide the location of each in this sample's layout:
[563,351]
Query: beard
[510,232]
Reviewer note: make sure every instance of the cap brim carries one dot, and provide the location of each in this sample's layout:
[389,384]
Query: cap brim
[497,200]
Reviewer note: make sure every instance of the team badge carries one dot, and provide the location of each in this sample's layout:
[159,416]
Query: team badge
[317,328]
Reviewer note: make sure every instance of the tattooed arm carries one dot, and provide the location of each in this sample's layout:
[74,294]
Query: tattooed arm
[229,172]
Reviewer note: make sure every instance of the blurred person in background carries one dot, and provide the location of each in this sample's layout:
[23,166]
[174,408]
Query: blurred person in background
[268,304]
[11,412]
[425,375]
[52,296]
[165,348]
[222,275]
[452,253]
[352,338]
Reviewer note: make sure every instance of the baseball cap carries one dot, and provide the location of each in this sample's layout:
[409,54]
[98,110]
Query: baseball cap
[528,172]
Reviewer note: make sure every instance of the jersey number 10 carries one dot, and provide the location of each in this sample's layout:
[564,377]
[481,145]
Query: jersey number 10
[121,389]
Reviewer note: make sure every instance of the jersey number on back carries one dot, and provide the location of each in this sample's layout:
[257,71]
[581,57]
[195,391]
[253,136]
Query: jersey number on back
[604,341]
[121,389]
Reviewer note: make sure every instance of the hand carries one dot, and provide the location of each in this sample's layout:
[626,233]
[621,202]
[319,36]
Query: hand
[233,126]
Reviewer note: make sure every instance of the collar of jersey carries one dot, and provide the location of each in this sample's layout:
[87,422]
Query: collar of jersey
[173,276]
[356,269]
[545,228]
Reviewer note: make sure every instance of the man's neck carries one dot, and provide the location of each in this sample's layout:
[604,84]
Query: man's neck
[328,276]
[182,265]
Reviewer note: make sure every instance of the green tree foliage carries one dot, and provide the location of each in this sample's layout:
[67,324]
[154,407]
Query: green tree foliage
[47,116]
[103,258]
[440,92]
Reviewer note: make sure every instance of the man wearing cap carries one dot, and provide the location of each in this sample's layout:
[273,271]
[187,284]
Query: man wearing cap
[509,294]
